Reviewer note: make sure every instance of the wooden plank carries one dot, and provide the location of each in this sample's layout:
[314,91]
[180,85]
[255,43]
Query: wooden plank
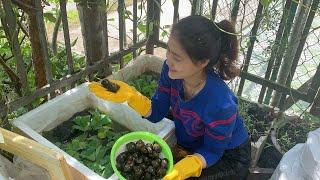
[36,153]
[276,86]
[77,170]
[23,101]
[290,100]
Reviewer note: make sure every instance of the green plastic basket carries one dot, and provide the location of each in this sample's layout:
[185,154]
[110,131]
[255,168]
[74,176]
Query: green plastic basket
[119,146]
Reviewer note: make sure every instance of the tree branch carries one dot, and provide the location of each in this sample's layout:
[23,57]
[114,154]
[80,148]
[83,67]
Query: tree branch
[22,27]
[14,78]
[9,71]
[25,5]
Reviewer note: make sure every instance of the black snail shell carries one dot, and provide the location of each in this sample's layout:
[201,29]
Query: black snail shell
[142,161]
[131,146]
[121,158]
[156,147]
[110,86]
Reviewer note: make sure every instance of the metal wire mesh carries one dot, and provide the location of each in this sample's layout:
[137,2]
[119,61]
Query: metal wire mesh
[271,17]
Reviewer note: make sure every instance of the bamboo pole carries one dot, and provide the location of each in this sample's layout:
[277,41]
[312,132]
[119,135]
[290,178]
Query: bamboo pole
[293,44]
[282,48]
[275,48]
[65,26]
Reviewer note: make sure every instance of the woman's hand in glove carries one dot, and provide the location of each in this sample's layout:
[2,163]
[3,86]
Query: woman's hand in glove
[135,99]
[190,166]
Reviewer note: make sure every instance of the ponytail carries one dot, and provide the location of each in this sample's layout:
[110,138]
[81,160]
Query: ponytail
[202,40]
[226,66]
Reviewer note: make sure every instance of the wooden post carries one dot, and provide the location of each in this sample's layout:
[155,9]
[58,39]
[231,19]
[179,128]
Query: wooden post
[65,26]
[315,108]
[36,153]
[135,25]
[214,10]
[91,17]
[43,40]
[235,10]
[314,86]
[175,11]
[121,6]
[253,38]
[197,7]
[104,24]
[153,23]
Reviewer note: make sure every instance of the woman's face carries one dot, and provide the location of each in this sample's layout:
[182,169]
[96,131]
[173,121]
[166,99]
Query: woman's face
[180,64]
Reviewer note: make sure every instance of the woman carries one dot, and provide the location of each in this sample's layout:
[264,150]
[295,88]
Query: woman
[201,54]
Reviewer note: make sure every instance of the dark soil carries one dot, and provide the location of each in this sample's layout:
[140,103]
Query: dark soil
[63,132]
[257,119]
[270,156]
[295,131]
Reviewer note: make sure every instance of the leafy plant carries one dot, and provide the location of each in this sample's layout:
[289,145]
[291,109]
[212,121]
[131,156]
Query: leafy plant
[59,62]
[146,84]
[90,141]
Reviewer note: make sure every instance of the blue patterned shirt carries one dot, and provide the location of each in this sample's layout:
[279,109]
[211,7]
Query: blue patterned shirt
[208,123]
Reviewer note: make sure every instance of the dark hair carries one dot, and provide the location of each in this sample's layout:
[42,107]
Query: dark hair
[202,39]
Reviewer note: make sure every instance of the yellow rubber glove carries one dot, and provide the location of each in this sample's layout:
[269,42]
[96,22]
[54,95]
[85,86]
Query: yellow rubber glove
[135,99]
[190,166]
